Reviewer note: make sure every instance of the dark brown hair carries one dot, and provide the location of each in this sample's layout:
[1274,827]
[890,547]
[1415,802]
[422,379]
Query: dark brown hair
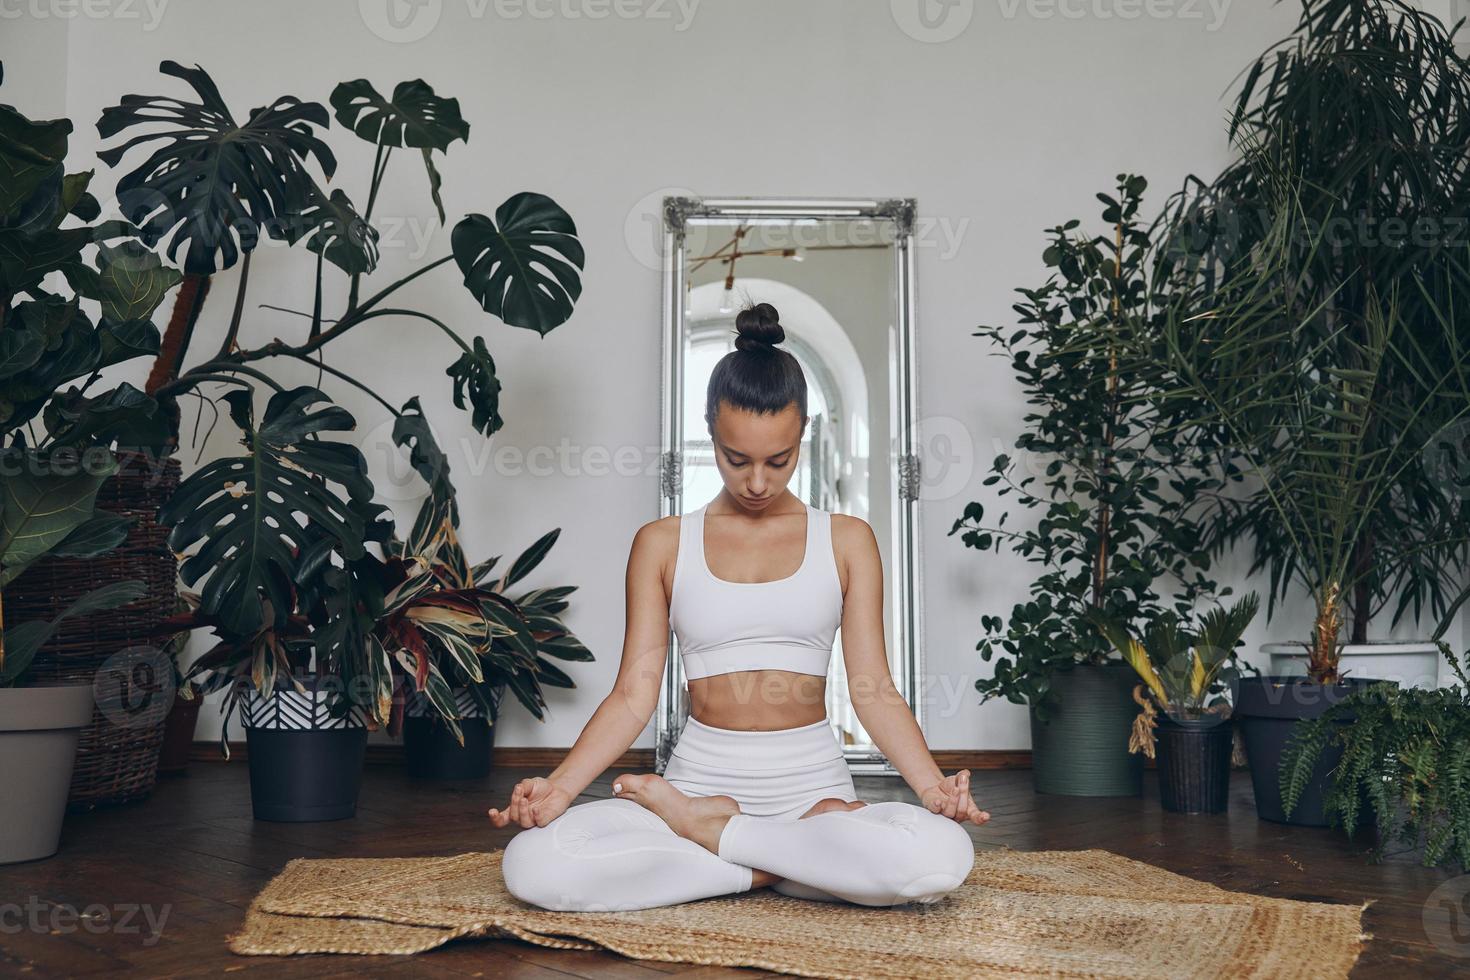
[756,375]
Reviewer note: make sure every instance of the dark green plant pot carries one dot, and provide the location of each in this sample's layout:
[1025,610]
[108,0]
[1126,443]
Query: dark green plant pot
[1082,750]
[1267,710]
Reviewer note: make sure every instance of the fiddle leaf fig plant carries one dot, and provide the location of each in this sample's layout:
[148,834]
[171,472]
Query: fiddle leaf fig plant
[54,441]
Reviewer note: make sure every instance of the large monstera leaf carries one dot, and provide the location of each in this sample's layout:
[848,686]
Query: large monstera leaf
[414,117]
[525,266]
[264,520]
[215,180]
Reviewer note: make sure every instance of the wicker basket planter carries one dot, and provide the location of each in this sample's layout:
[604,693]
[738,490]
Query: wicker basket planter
[117,755]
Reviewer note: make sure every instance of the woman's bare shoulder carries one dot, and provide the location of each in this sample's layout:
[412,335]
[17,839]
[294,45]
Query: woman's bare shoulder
[853,539]
[852,529]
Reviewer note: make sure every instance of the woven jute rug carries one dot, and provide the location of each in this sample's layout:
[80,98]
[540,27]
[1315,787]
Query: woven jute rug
[1019,914]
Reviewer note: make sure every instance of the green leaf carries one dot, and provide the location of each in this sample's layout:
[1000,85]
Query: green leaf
[333,229]
[249,514]
[23,640]
[414,117]
[97,535]
[476,386]
[215,183]
[31,156]
[42,501]
[129,281]
[525,266]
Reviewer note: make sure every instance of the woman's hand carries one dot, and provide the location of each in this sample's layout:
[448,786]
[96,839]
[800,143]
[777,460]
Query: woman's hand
[535,801]
[950,797]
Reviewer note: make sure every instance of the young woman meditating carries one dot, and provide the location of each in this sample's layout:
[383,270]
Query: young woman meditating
[757,792]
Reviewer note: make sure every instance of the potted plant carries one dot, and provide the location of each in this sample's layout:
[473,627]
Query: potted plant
[461,640]
[76,294]
[292,593]
[47,506]
[1401,757]
[1323,340]
[1114,487]
[214,187]
[1185,670]
[1324,424]
[1378,217]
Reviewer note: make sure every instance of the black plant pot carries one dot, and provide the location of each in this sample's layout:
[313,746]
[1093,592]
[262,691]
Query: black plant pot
[1082,750]
[304,765]
[429,748]
[431,752]
[1194,766]
[1267,710]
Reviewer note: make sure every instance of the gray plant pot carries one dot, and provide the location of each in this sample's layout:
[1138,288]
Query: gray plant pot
[39,729]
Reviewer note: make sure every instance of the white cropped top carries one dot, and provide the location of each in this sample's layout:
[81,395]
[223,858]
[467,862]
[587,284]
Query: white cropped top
[784,624]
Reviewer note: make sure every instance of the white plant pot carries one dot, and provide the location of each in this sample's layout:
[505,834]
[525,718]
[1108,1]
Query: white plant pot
[1411,664]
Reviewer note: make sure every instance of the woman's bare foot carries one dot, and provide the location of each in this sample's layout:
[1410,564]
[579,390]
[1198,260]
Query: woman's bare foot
[698,818]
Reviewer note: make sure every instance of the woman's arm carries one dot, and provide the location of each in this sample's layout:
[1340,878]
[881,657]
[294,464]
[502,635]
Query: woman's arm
[879,705]
[625,712]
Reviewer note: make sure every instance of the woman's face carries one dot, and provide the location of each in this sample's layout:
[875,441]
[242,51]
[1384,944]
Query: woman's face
[756,454]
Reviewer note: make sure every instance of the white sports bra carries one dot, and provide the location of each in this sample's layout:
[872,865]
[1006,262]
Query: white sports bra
[785,624]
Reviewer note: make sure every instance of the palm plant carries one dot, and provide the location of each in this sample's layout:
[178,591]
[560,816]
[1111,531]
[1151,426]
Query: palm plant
[1313,402]
[1364,111]
[1183,666]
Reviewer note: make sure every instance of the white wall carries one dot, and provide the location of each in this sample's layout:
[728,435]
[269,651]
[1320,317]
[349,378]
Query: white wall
[1007,128]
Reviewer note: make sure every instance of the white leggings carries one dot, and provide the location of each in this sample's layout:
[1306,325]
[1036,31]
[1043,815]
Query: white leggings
[615,855]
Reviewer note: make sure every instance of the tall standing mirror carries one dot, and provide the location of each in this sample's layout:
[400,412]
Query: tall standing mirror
[841,274]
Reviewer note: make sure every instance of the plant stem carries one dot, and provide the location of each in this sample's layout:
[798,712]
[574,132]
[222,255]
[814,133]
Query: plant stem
[187,305]
[229,342]
[322,366]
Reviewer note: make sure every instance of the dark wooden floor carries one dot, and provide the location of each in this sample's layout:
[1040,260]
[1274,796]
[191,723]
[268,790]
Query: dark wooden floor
[193,849]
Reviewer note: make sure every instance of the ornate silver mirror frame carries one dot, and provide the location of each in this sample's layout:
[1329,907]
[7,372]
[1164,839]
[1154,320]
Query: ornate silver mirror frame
[906,654]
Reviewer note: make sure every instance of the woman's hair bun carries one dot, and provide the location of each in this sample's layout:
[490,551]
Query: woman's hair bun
[759,327]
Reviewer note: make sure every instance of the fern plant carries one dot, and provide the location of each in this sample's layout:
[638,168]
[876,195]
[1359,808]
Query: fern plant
[1405,757]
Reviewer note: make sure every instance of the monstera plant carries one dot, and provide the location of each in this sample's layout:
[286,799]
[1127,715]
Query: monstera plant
[213,187]
[280,530]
